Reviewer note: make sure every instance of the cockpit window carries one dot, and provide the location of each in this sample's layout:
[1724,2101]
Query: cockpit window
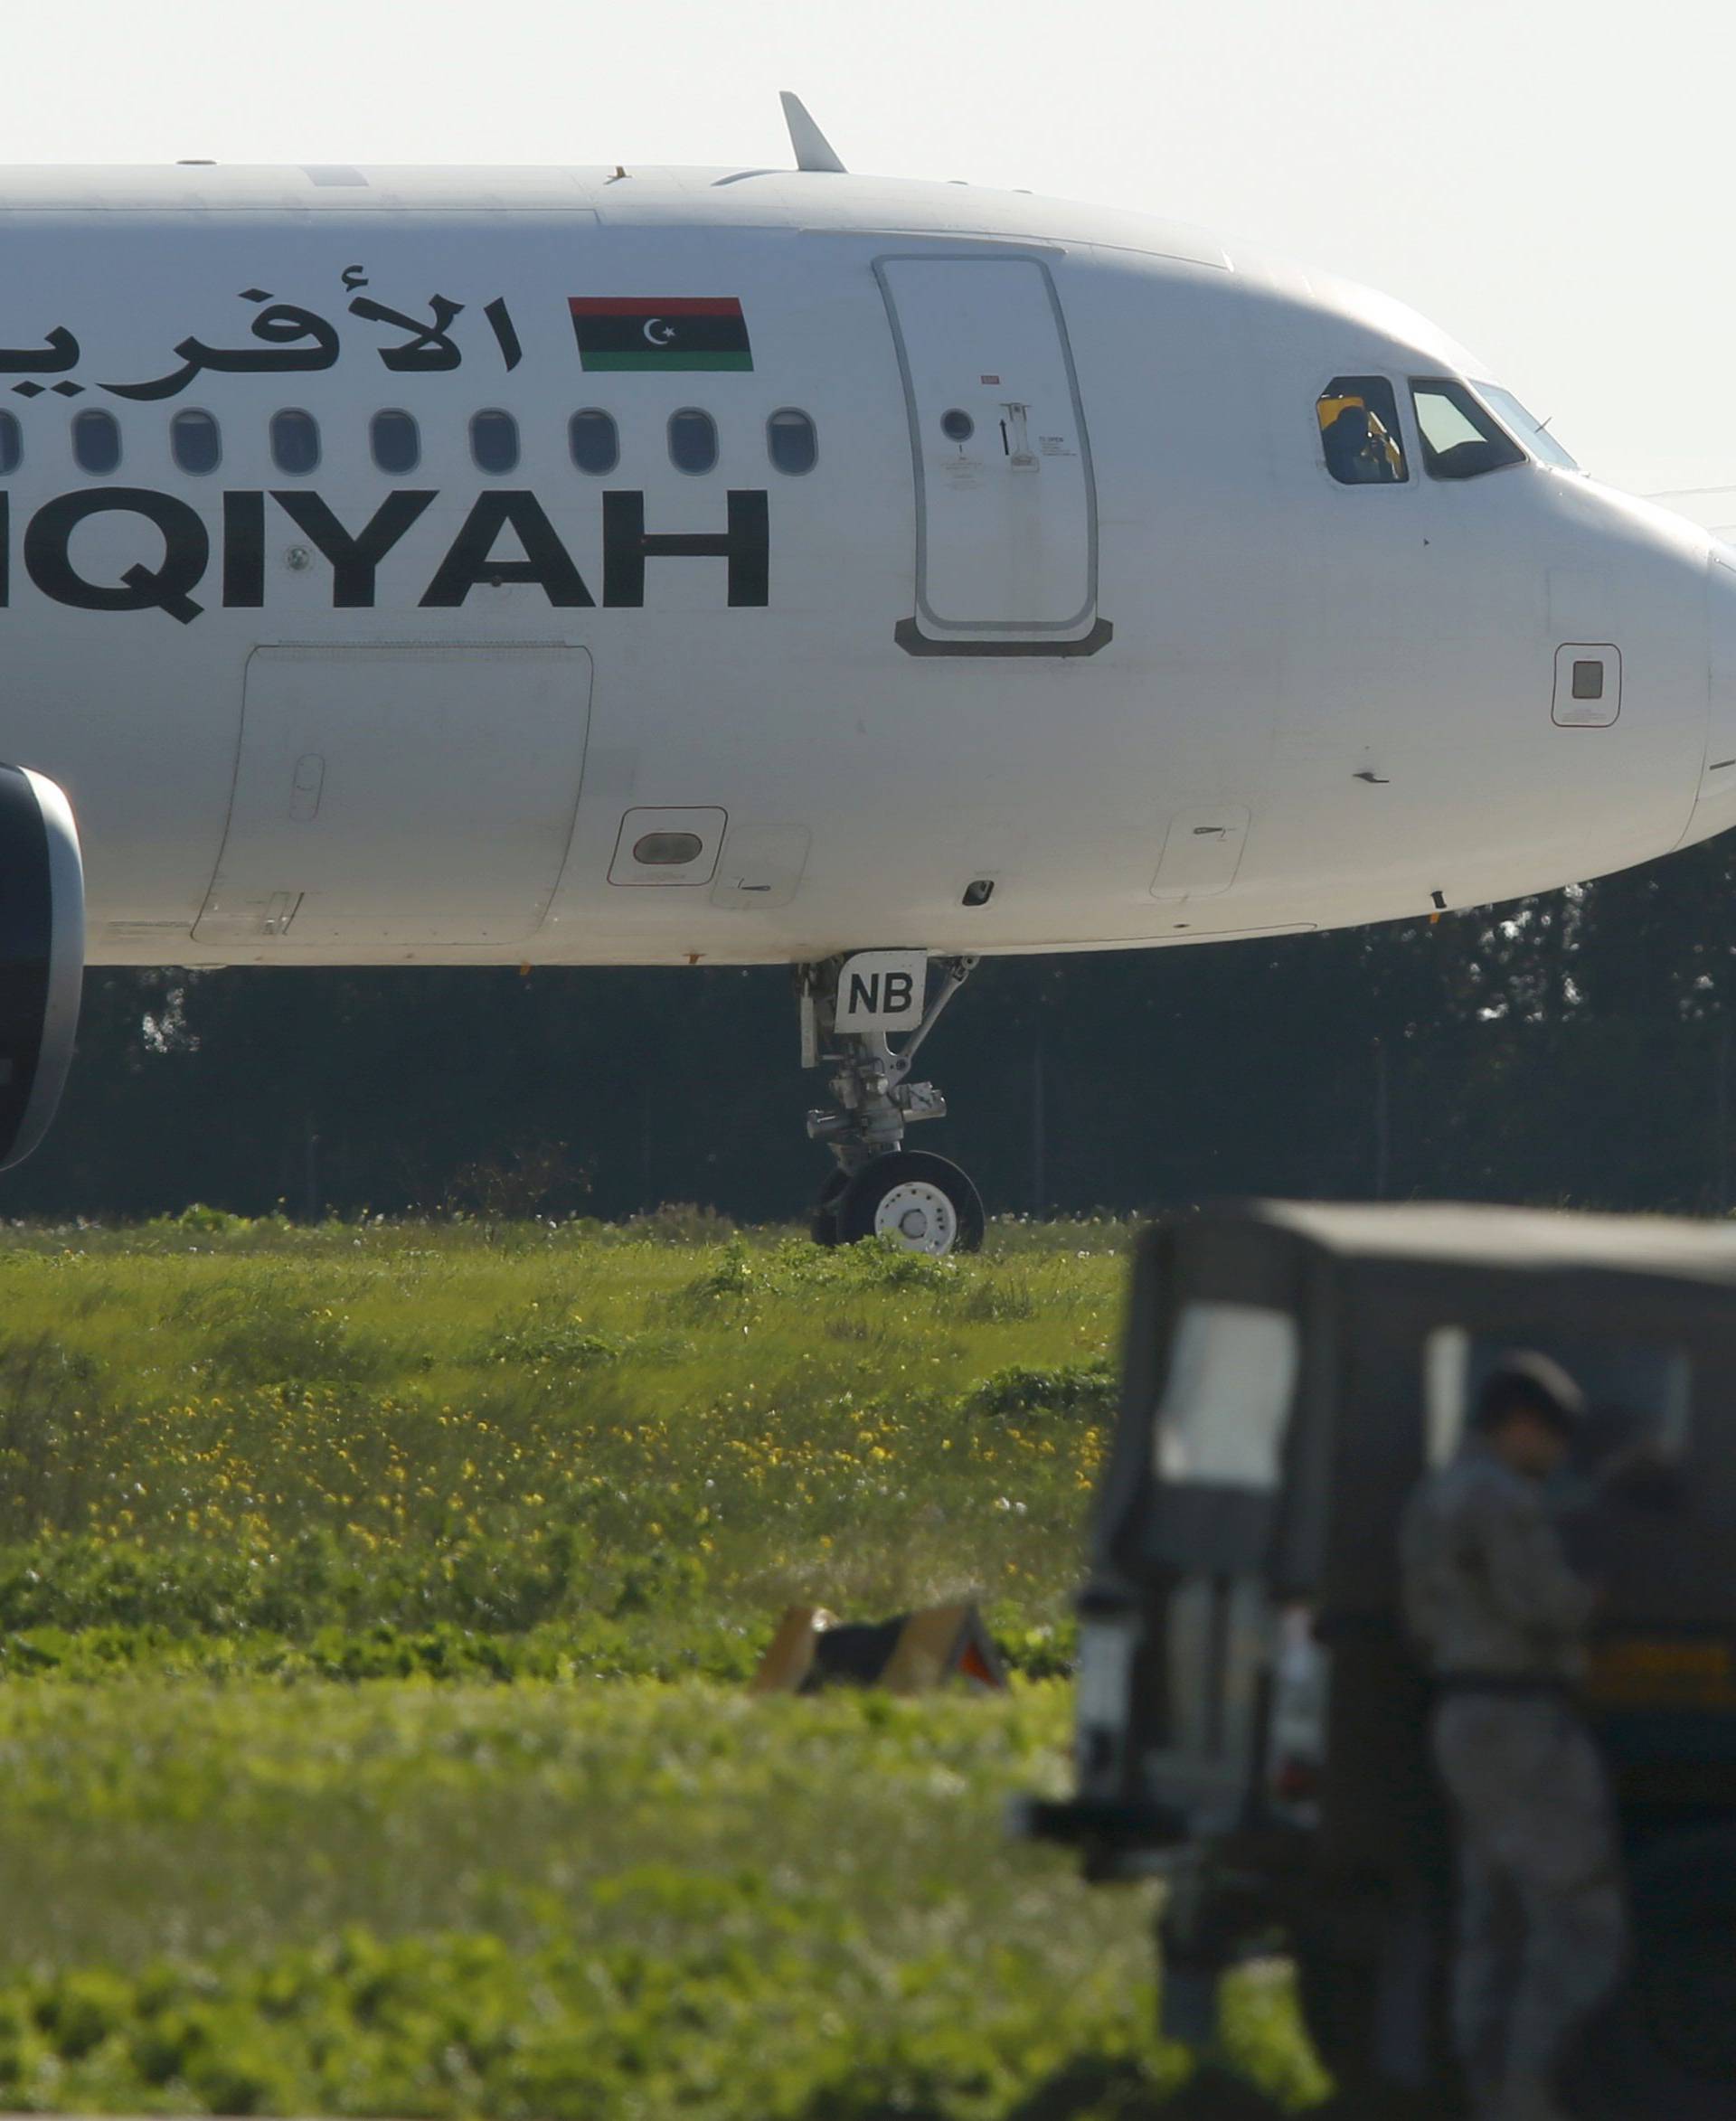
[1359,431]
[1531,431]
[1459,438]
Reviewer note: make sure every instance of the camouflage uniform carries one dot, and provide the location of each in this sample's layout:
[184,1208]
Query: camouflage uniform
[1541,1922]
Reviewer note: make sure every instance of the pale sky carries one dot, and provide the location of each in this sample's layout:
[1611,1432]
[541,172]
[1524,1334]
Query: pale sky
[1551,180]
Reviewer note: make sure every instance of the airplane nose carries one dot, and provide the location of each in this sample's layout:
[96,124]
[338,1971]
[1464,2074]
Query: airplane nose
[1715,809]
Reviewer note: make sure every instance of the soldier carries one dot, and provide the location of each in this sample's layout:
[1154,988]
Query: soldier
[1490,1597]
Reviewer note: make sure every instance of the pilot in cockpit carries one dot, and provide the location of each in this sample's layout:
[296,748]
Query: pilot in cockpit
[1359,450]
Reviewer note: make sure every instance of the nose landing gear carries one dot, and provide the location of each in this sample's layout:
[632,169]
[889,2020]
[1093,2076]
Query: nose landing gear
[879,1187]
[928,1203]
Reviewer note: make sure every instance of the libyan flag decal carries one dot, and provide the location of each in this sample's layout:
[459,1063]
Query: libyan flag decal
[660,332]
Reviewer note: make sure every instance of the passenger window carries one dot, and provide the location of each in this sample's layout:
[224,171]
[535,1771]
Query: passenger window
[595,442]
[1359,431]
[294,443]
[396,442]
[494,442]
[96,441]
[692,440]
[12,445]
[1459,438]
[791,441]
[195,442]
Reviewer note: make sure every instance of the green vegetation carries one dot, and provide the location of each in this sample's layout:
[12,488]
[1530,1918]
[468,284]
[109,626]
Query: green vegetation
[580,1444]
[247,1464]
[558,1902]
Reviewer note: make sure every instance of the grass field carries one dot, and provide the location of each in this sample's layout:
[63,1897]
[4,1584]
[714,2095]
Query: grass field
[374,1606]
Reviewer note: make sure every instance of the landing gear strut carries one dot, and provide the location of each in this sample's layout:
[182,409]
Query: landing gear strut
[850,1007]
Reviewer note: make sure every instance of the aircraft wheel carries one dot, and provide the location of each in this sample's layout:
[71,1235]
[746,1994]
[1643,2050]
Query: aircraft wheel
[926,1202]
[823,1226]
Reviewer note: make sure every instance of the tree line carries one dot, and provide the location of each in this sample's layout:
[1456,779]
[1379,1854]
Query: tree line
[1570,1048]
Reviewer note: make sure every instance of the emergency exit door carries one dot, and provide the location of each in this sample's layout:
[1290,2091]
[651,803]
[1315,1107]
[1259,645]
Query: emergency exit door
[1005,504]
[395,796]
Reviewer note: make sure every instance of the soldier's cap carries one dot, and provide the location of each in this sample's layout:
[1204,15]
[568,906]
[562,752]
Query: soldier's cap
[1524,1382]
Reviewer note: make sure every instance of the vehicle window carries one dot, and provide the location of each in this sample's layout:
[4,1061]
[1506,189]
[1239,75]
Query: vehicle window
[1637,1393]
[96,441]
[1226,1402]
[595,443]
[494,442]
[396,442]
[1360,433]
[195,442]
[1531,431]
[294,443]
[790,440]
[12,445]
[1460,439]
[692,440]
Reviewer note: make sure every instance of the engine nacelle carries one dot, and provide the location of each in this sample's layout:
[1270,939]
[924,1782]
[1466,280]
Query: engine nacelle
[42,955]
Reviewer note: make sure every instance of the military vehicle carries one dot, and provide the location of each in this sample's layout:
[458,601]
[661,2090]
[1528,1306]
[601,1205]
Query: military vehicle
[1251,1719]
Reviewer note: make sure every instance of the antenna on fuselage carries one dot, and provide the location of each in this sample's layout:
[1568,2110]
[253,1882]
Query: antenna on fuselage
[812,149]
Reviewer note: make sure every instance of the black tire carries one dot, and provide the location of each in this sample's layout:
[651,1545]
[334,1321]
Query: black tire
[1338,1999]
[1356,1956]
[1665,2044]
[861,1208]
[823,1227]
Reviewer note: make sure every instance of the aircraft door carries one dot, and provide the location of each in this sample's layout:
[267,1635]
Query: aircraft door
[395,796]
[1006,506]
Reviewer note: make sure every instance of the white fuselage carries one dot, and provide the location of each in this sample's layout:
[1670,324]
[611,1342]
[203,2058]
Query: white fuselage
[1125,652]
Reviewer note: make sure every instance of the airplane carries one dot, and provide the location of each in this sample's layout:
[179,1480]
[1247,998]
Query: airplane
[622,566]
